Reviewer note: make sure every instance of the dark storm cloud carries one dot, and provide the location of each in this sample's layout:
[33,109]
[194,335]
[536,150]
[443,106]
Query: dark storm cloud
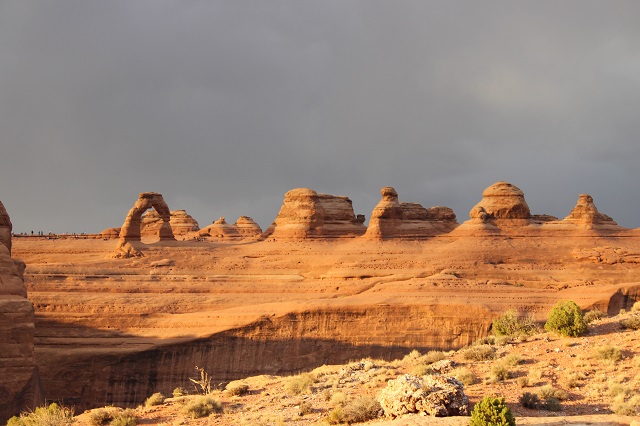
[224,106]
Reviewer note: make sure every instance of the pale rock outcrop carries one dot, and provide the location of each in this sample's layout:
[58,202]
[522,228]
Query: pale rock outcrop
[130,231]
[221,229]
[308,214]
[586,213]
[19,388]
[181,222]
[393,219]
[248,228]
[432,395]
[502,203]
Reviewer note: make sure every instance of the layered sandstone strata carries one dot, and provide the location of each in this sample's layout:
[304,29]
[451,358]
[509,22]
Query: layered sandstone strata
[392,219]
[181,222]
[308,214]
[503,204]
[18,370]
[248,228]
[586,213]
[221,229]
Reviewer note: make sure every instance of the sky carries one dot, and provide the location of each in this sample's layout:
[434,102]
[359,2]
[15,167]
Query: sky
[224,106]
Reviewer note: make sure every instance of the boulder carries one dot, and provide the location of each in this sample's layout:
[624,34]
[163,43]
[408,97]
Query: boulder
[19,386]
[392,219]
[586,213]
[308,214]
[433,395]
[502,200]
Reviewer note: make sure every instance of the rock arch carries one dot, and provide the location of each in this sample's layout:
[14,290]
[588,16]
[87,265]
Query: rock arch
[130,230]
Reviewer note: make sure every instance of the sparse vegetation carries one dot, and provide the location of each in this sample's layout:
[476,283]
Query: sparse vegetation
[479,353]
[632,322]
[361,409]
[511,323]
[201,406]
[492,411]
[124,418]
[155,399]
[529,400]
[549,391]
[202,385]
[179,391]
[297,385]
[101,416]
[305,408]
[463,374]
[499,372]
[566,319]
[237,388]
[594,315]
[51,415]
[608,353]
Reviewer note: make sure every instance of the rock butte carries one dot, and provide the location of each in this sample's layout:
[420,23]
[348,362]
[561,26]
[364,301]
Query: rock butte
[317,288]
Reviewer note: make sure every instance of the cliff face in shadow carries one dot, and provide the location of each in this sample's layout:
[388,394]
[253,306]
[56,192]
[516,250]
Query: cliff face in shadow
[287,344]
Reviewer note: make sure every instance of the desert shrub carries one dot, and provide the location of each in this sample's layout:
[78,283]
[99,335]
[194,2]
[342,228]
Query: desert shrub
[499,373]
[124,418]
[566,319]
[574,379]
[632,323]
[201,406]
[297,385]
[155,399]
[626,407]
[479,353]
[101,416]
[608,353]
[421,370]
[636,307]
[523,382]
[463,374]
[491,411]
[512,324]
[51,415]
[338,399]
[412,356]
[305,408]
[529,400]
[361,409]
[549,391]
[434,356]
[237,388]
[326,395]
[336,416]
[551,404]
[179,391]
[512,360]
[594,315]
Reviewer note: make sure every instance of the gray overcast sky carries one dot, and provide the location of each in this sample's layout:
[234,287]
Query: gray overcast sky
[223,106]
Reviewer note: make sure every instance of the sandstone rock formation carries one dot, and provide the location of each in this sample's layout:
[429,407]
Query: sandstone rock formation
[432,395]
[586,213]
[181,223]
[308,214]
[130,230]
[248,228]
[18,370]
[221,229]
[110,233]
[504,203]
[393,219]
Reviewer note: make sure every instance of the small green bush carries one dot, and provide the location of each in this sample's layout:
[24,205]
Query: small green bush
[155,399]
[512,324]
[125,418]
[566,319]
[594,315]
[479,353]
[631,323]
[491,411]
[201,406]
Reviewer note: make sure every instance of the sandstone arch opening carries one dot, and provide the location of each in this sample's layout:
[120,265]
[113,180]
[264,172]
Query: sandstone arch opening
[130,231]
